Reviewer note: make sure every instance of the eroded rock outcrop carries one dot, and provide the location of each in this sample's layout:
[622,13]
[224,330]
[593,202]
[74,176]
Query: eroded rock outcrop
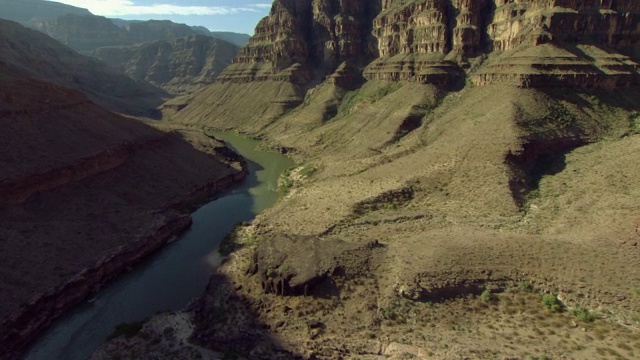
[300,38]
[295,265]
[445,43]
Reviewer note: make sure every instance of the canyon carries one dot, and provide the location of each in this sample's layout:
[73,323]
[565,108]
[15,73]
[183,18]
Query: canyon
[482,145]
[458,161]
[85,193]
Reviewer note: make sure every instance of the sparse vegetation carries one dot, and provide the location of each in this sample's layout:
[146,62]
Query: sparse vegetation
[635,123]
[486,295]
[293,177]
[285,182]
[556,117]
[354,97]
[236,239]
[584,315]
[526,285]
[552,303]
[389,200]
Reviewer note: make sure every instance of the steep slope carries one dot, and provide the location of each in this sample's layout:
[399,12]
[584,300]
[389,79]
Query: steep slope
[83,33]
[30,52]
[178,66]
[26,11]
[449,147]
[426,42]
[84,194]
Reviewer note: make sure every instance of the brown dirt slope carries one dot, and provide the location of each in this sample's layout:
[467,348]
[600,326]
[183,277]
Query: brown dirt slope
[496,186]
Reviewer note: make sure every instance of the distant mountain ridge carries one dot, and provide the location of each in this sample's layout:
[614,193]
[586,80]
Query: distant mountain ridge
[177,57]
[84,31]
[34,54]
[25,11]
[237,39]
[179,66]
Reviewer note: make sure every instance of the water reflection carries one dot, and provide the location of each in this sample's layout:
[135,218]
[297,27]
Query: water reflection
[173,277]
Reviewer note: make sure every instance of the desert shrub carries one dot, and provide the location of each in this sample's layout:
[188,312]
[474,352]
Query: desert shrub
[552,303]
[307,170]
[285,182]
[584,315]
[486,295]
[526,285]
[635,123]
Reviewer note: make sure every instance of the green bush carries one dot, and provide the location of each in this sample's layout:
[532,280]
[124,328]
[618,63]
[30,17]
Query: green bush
[552,303]
[486,295]
[584,315]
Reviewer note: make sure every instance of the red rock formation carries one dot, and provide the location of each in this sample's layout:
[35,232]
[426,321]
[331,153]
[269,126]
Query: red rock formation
[526,43]
[427,40]
[300,36]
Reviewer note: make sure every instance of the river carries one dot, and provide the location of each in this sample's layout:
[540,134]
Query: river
[174,276]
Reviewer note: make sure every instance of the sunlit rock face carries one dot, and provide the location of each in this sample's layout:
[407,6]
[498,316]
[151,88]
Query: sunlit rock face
[431,41]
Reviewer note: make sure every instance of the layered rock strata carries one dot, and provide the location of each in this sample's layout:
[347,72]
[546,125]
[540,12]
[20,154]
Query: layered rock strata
[427,41]
[180,66]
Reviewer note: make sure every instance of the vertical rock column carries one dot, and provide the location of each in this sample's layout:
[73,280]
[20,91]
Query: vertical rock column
[469,29]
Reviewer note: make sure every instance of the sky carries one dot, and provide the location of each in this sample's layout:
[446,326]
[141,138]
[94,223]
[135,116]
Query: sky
[216,15]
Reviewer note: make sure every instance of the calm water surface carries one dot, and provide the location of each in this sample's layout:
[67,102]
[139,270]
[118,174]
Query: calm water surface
[176,274]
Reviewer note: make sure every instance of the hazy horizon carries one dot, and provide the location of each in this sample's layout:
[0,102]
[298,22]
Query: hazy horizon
[239,16]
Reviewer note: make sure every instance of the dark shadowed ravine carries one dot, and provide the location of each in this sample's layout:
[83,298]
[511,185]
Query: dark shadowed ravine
[177,274]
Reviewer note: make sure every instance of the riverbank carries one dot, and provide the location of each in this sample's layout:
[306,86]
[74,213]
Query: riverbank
[179,272]
[128,226]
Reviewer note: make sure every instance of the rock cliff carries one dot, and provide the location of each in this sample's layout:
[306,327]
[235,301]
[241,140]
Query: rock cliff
[422,40]
[179,66]
[441,42]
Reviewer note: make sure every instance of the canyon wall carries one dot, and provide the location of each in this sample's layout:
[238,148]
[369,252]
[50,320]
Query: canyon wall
[431,41]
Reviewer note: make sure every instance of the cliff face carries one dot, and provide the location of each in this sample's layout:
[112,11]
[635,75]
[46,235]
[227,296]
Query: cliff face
[428,41]
[300,40]
[179,66]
